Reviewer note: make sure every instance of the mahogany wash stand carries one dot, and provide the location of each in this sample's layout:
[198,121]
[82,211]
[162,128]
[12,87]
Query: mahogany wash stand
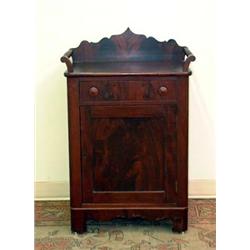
[128,129]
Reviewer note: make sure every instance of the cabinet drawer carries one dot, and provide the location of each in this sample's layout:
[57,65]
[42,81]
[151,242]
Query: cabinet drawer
[92,91]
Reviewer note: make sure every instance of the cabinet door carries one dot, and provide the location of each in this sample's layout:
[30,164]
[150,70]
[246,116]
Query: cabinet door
[128,153]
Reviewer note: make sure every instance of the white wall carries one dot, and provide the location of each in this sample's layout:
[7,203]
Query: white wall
[63,24]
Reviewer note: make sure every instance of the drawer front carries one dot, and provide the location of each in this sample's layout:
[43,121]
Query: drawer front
[92,91]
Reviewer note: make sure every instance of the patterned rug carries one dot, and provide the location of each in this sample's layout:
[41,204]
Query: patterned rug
[52,231]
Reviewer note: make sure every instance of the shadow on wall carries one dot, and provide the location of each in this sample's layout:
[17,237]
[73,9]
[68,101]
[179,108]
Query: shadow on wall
[201,131]
[52,126]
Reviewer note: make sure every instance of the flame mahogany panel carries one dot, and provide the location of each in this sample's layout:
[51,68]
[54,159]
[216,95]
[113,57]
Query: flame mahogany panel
[128,154]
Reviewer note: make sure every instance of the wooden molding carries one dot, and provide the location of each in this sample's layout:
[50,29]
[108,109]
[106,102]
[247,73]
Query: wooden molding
[203,188]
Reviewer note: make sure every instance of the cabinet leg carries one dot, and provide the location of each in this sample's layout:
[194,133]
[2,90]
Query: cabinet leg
[180,223]
[78,221]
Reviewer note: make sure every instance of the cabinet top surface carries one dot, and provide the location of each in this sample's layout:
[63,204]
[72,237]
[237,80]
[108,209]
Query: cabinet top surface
[127,68]
[128,53]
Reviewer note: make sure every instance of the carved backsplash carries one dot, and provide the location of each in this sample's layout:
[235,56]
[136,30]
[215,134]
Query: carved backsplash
[128,47]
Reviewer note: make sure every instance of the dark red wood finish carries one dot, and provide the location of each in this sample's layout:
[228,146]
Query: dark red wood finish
[128,130]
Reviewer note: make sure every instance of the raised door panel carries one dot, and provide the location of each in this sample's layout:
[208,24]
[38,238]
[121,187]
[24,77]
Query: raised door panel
[128,153]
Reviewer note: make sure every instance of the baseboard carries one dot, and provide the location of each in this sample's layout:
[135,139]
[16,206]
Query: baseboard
[203,188]
[60,190]
[51,190]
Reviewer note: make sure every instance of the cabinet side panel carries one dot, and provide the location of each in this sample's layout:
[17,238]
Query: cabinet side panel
[74,142]
[182,142]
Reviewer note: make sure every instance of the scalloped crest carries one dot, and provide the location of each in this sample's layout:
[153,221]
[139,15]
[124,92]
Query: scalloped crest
[128,47]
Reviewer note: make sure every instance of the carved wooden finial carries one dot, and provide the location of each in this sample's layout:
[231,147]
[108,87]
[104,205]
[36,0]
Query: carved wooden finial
[65,59]
[128,31]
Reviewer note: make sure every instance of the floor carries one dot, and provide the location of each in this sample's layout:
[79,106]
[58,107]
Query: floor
[52,230]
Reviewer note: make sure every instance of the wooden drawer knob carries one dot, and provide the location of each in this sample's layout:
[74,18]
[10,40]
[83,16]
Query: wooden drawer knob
[93,91]
[163,90]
